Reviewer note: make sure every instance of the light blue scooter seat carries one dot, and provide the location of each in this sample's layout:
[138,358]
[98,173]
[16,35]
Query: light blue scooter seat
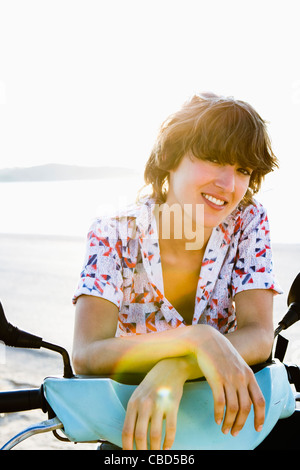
[93,409]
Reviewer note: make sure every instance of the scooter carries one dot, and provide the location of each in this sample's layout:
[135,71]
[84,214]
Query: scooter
[85,409]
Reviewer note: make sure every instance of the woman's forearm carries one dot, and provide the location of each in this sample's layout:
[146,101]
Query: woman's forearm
[137,353]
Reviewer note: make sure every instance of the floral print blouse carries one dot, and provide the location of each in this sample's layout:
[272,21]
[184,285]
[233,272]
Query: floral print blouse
[122,265]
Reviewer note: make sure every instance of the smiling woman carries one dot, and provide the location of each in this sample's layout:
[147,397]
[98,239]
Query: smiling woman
[216,129]
[155,304]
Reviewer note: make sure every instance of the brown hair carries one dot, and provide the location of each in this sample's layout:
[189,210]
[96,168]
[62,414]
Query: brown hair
[215,128]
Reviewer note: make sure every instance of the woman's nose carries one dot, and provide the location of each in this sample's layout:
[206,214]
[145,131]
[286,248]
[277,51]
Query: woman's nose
[226,178]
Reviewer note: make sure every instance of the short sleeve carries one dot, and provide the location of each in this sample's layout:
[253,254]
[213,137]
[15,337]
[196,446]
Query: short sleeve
[253,267]
[101,275]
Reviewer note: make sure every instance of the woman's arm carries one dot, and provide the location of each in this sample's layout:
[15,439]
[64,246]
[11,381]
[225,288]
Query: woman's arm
[97,351]
[198,349]
[254,336]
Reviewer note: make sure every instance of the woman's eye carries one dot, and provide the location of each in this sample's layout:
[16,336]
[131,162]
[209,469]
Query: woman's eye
[245,171]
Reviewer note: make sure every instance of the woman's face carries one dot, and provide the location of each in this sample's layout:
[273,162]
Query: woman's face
[219,188]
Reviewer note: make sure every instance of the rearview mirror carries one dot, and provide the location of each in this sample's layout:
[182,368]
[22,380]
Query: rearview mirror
[12,336]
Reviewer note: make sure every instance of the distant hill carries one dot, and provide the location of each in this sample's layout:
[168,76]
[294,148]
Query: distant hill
[55,172]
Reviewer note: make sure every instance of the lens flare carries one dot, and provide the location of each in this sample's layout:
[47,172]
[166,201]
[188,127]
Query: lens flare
[164,398]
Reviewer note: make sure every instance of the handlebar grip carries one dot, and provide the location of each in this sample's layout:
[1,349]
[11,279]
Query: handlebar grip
[22,400]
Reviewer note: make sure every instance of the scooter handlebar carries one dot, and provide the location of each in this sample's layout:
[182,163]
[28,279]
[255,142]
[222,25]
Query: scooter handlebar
[22,400]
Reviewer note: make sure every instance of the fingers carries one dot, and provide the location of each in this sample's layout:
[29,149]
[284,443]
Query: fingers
[237,411]
[258,405]
[219,401]
[235,403]
[139,419]
[136,425]
[141,431]
[128,427]
[156,430]
[232,409]
[171,423]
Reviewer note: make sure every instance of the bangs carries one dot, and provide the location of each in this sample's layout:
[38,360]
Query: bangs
[230,134]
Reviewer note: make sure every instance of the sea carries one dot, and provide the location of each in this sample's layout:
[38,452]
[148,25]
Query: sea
[62,208]
[67,208]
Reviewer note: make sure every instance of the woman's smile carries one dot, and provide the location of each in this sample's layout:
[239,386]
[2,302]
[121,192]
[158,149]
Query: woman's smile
[214,201]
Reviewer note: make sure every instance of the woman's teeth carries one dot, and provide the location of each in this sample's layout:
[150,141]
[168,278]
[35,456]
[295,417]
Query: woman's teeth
[218,202]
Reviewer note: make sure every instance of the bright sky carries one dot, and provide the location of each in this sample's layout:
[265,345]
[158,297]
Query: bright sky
[89,82]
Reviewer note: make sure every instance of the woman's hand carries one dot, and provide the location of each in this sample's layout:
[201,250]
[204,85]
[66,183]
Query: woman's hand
[232,382]
[155,399]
